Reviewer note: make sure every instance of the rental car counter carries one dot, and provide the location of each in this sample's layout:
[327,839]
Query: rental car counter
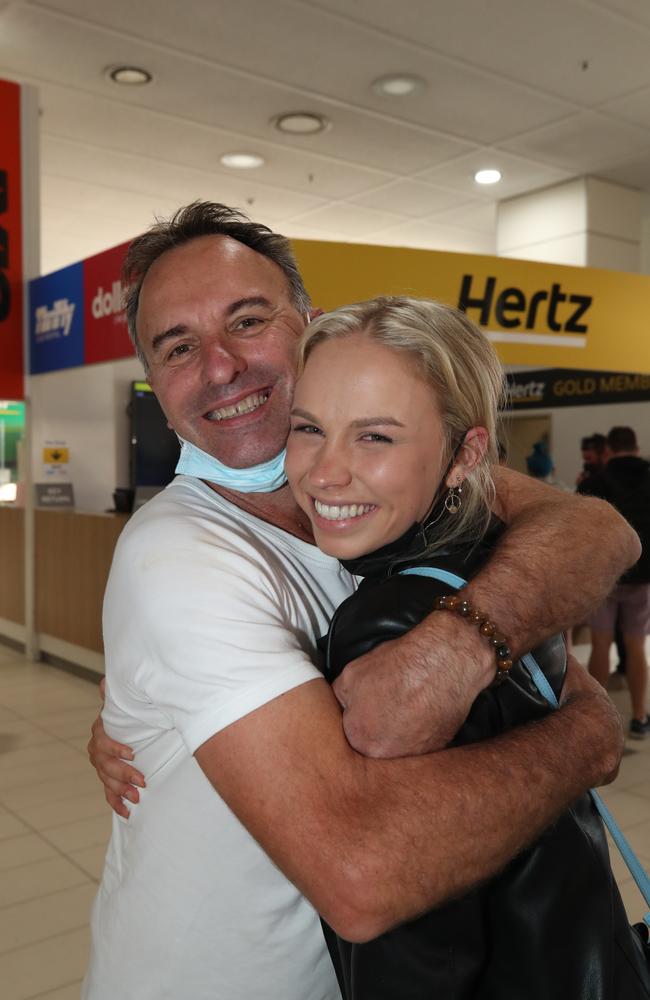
[72,558]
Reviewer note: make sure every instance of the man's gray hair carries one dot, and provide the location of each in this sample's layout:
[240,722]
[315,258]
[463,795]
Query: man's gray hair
[205,218]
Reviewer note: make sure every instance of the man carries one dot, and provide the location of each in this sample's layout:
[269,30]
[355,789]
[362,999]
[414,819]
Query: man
[256,805]
[625,483]
[593,458]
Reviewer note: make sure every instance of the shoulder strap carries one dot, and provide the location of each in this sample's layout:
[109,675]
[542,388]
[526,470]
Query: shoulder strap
[541,683]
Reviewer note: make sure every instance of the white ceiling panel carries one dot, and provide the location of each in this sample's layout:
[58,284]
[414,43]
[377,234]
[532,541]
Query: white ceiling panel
[584,143]
[413,198]
[179,184]
[476,215]
[298,231]
[353,221]
[632,172]
[105,123]
[95,217]
[124,208]
[634,108]
[518,174]
[311,50]
[435,235]
[636,11]
[546,92]
[46,46]
[541,44]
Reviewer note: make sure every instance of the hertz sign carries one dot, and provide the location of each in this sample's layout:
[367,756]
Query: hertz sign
[536,314]
[510,308]
[11,271]
[553,387]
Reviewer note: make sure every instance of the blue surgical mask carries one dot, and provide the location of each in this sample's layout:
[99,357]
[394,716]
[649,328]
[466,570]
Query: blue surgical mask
[262,478]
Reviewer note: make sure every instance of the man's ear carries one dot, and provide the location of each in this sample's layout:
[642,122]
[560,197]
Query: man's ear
[474,448]
[315,313]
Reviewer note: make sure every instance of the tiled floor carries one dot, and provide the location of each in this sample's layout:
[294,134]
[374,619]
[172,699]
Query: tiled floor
[54,824]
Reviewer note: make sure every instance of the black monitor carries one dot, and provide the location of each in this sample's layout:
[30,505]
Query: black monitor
[154,447]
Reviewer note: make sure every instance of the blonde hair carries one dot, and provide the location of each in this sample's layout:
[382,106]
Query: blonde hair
[460,365]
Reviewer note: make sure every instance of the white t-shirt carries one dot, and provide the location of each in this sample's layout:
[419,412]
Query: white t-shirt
[209,614]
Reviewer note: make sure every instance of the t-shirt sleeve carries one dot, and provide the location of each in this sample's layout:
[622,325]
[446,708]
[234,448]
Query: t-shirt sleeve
[216,639]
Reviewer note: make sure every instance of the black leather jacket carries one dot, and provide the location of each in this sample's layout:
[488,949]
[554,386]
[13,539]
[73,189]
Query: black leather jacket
[552,925]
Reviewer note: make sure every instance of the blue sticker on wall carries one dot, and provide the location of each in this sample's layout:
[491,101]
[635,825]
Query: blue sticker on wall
[56,320]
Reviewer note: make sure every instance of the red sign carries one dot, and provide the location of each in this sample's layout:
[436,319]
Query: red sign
[106,337]
[11,245]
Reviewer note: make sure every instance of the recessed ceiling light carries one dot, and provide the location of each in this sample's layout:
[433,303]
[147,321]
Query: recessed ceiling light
[242,161]
[301,123]
[397,85]
[487,176]
[129,76]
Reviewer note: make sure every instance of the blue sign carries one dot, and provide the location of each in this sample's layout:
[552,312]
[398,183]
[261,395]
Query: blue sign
[56,320]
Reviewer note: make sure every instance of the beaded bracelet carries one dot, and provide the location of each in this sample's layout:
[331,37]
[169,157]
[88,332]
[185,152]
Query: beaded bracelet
[454,602]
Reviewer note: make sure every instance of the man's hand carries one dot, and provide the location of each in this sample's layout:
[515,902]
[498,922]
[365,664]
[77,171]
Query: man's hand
[109,759]
[608,738]
[410,696]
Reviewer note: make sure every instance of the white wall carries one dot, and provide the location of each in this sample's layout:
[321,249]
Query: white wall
[586,222]
[86,409]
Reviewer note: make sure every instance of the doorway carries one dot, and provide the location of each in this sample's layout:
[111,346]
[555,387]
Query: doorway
[521,433]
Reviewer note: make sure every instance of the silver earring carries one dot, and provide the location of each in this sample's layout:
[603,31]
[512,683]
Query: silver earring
[453,500]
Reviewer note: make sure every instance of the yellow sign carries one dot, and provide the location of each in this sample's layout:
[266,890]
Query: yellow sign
[56,456]
[536,314]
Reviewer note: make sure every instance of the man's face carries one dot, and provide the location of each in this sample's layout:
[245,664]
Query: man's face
[219,333]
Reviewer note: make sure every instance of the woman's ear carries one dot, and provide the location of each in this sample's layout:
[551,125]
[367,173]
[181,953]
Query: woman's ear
[474,448]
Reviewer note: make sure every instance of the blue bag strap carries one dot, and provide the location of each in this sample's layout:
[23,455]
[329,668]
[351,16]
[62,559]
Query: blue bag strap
[541,683]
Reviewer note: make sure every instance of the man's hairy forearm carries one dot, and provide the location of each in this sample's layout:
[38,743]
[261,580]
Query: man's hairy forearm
[560,557]
[375,842]
[494,798]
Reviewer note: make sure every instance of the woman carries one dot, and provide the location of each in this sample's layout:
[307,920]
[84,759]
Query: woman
[392,436]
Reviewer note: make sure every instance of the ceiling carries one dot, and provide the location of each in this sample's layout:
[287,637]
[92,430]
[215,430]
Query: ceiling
[543,91]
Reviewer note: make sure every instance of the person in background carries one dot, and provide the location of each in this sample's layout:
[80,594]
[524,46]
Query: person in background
[541,466]
[593,457]
[539,463]
[624,481]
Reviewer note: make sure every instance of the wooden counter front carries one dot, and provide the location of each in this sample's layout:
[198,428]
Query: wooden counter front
[73,557]
[12,565]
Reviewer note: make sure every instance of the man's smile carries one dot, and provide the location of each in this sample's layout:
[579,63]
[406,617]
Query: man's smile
[246,405]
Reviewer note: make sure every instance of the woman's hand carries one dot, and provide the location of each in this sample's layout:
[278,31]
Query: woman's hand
[109,759]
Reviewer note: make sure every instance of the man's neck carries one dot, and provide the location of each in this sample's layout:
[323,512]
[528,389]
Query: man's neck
[278,508]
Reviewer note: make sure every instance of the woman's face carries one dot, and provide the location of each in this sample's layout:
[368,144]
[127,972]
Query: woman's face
[365,450]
